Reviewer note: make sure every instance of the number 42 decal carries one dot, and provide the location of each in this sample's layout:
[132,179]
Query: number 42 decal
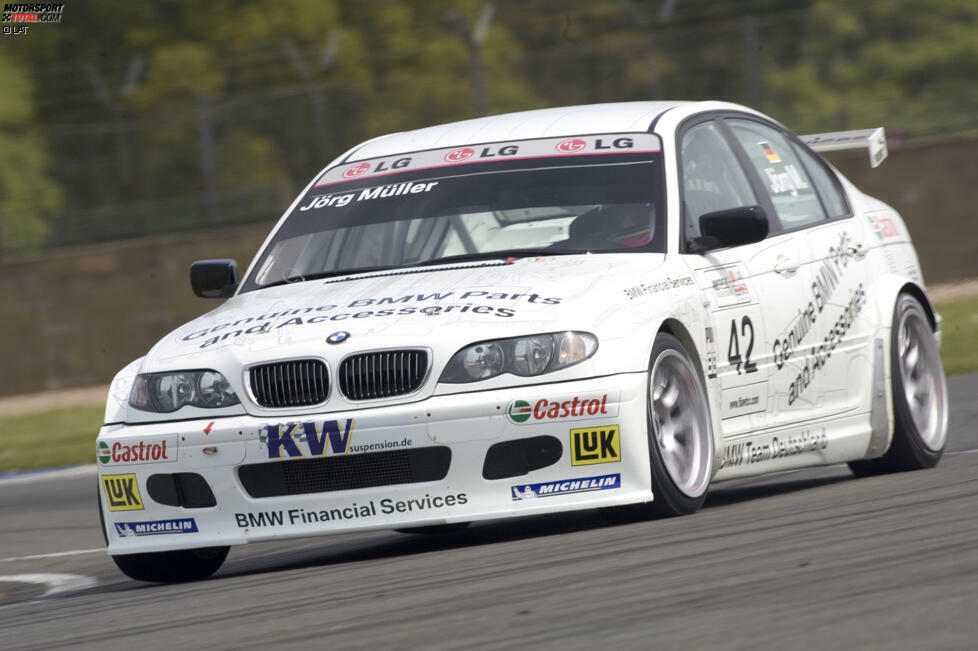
[733,350]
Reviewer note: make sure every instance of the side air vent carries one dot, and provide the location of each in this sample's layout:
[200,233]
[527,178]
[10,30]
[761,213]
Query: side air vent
[521,457]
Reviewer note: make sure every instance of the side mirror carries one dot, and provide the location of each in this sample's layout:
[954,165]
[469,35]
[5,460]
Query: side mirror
[731,227]
[214,278]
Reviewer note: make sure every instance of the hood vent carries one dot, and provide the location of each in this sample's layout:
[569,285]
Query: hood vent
[383,374]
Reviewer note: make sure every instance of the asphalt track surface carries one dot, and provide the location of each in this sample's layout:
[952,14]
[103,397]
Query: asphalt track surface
[809,559]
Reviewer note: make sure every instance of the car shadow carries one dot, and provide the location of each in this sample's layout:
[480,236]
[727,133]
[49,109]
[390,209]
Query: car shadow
[389,544]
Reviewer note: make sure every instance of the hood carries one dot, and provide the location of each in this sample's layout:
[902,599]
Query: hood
[449,306]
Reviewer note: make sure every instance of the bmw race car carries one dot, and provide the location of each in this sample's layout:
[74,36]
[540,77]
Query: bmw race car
[595,306]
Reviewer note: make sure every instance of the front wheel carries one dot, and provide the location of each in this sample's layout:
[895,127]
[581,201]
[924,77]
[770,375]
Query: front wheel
[919,390]
[172,567]
[680,432]
[680,436]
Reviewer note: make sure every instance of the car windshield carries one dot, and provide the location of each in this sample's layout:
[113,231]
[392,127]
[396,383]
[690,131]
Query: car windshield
[551,196]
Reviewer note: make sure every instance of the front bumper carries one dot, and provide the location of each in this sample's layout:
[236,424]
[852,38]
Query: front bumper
[603,469]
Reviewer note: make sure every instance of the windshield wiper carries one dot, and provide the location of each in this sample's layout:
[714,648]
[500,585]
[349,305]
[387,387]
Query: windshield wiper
[328,274]
[463,257]
[496,255]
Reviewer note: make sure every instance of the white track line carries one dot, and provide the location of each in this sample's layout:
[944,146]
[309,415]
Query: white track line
[31,476]
[55,583]
[34,557]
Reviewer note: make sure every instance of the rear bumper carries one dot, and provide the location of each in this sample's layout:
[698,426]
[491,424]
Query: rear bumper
[357,448]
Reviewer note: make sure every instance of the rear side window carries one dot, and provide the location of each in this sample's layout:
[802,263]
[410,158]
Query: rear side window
[782,173]
[825,183]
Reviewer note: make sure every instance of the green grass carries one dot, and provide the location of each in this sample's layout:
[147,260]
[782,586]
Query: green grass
[959,338]
[65,437]
[61,437]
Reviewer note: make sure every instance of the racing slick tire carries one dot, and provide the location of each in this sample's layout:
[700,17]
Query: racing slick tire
[172,567]
[919,390]
[680,436]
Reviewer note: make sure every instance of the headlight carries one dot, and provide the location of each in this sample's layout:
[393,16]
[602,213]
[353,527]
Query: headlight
[523,356]
[166,392]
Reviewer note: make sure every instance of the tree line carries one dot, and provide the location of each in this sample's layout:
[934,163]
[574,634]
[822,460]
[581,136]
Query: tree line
[129,119]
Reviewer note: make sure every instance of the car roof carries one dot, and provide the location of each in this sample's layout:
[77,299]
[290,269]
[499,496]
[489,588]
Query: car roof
[542,123]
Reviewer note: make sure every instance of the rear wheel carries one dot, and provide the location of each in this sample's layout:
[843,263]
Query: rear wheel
[172,567]
[680,435]
[919,391]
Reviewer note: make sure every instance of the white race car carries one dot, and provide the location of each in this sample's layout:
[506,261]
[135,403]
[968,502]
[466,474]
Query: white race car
[570,308]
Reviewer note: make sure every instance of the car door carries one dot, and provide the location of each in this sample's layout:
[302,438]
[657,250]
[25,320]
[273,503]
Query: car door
[818,337]
[748,286]
[843,351]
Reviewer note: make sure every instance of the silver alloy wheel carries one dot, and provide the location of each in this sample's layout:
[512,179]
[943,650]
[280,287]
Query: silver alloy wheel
[679,423]
[922,375]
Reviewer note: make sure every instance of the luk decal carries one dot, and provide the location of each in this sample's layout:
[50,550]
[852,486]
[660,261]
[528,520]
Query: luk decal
[155,527]
[592,445]
[565,487]
[647,289]
[749,452]
[119,453]
[122,492]
[568,407]
[354,511]
[728,284]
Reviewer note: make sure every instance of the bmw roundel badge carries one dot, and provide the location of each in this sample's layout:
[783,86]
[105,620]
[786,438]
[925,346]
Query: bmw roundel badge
[338,337]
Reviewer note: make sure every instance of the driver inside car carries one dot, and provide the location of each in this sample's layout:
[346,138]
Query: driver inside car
[614,226]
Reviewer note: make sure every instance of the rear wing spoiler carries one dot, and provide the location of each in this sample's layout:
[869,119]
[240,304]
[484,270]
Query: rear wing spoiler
[872,139]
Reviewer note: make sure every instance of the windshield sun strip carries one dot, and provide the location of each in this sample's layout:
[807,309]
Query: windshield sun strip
[645,161]
[477,162]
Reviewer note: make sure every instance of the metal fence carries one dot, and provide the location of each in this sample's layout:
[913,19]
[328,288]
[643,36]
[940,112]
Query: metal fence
[127,159]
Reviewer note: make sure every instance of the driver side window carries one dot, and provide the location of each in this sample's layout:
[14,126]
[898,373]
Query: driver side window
[712,179]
